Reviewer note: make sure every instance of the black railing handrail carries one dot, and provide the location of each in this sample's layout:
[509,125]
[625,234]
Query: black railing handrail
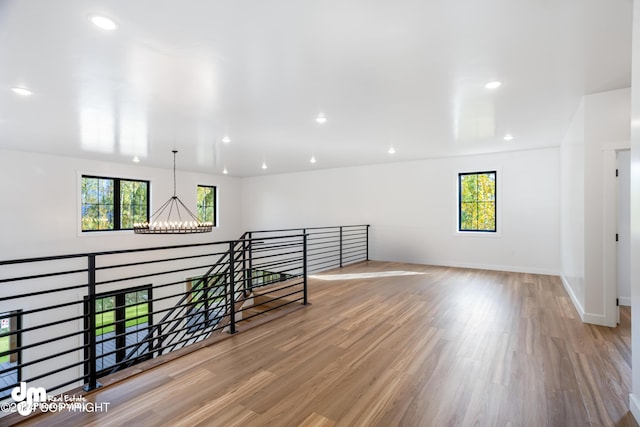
[308,228]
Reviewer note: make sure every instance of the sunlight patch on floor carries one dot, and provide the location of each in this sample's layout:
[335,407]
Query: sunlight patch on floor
[370,275]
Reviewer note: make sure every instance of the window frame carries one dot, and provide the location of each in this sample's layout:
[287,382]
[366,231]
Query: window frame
[215,203]
[15,344]
[117,203]
[497,232]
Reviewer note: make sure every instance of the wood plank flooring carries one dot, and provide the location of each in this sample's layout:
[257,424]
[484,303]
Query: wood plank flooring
[442,347]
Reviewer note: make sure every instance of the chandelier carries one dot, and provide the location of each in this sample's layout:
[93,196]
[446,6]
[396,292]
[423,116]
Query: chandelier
[173,217]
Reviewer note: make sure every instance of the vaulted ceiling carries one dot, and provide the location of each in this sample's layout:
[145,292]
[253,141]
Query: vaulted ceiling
[407,74]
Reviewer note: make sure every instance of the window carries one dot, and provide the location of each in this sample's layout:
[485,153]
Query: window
[207,204]
[113,203]
[477,201]
[10,326]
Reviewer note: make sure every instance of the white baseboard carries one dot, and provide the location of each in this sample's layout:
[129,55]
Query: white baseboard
[626,301]
[574,299]
[507,268]
[634,406]
[596,319]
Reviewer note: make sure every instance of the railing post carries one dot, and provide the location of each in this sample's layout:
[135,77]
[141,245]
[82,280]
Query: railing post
[340,246]
[367,242]
[245,282]
[232,296]
[91,312]
[304,267]
[250,279]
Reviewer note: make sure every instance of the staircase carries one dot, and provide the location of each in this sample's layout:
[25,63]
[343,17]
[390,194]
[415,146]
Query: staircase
[268,302]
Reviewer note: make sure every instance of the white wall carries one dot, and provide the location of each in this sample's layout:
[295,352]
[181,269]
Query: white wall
[601,121]
[572,209]
[411,207]
[40,205]
[634,403]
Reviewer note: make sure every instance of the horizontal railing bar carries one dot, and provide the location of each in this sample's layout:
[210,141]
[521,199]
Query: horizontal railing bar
[47,291]
[282,262]
[49,307]
[155,261]
[44,359]
[354,251]
[326,255]
[272,290]
[46,374]
[43,275]
[50,340]
[45,325]
[334,245]
[272,248]
[271,254]
[144,276]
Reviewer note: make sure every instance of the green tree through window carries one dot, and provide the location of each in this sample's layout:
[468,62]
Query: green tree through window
[113,203]
[207,204]
[477,201]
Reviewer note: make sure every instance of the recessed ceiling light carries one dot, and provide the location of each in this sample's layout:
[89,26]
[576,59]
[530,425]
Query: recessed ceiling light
[321,118]
[136,159]
[508,137]
[313,159]
[103,22]
[226,139]
[493,85]
[391,150]
[21,91]
[264,165]
[224,171]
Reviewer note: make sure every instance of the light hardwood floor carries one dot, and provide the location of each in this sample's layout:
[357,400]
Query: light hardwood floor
[443,347]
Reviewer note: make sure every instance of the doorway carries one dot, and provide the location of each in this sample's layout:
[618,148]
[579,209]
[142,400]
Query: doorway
[123,320]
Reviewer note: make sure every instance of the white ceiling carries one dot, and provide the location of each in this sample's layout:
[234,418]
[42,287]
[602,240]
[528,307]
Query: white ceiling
[403,73]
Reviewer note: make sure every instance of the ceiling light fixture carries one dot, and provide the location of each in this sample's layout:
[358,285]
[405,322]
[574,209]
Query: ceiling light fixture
[493,85]
[391,150]
[313,159]
[136,159]
[172,222]
[103,22]
[508,137]
[264,165]
[225,171]
[21,91]
[321,118]
[226,139]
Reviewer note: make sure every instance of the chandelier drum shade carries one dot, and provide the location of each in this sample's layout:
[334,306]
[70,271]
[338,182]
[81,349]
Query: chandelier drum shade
[173,217]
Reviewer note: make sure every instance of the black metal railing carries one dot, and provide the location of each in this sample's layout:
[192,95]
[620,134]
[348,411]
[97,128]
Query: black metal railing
[329,247]
[70,320]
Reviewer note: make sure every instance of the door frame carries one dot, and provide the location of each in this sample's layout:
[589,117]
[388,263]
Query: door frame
[610,229]
[120,323]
